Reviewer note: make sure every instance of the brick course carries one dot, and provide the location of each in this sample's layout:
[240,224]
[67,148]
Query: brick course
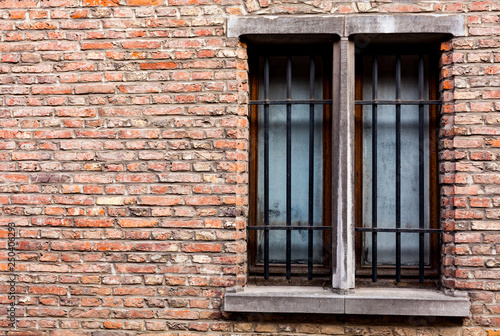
[124,165]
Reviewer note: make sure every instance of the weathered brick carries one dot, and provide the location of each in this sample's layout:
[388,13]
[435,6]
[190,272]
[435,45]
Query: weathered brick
[125,158]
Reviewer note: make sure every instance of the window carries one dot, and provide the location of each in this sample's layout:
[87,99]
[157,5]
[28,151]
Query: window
[290,183]
[396,162]
[348,134]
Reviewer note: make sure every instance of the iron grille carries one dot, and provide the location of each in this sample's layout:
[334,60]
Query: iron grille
[265,102]
[398,102]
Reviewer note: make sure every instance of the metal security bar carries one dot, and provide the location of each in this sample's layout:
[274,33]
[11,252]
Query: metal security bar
[266,168]
[397,230]
[288,228]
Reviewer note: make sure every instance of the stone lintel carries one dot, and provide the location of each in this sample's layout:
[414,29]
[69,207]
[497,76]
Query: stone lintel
[346,26]
[405,24]
[277,25]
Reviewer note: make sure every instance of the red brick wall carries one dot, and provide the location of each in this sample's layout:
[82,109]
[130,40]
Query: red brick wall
[124,157]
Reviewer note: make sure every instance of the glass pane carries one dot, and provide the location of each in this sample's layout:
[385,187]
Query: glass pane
[300,162]
[386,161]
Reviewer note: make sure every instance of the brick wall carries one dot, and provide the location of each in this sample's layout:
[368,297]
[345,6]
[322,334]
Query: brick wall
[124,158]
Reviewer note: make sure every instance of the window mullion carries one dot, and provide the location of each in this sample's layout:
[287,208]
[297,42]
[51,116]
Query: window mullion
[343,171]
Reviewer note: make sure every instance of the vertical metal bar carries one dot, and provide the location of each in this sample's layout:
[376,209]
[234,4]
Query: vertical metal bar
[398,168]
[266,168]
[374,168]
[312,70]
[288,168]
[421,167]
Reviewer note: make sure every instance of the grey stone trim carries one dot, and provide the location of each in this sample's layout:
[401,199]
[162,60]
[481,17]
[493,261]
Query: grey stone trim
[343,175]
[261,25]
[363,301]
[280,299]
[405,301]
[346,25]
[403,24]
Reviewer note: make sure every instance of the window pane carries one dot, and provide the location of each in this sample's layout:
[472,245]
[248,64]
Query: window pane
[386,161]
[300,162]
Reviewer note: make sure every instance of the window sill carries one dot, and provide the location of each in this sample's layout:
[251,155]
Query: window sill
[364,301]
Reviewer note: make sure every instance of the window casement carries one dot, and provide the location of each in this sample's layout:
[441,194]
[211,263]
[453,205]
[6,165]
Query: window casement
[343,164]
[290,181]
[397,202]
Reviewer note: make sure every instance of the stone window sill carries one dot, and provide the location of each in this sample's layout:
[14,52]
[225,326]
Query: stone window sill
[363,301]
